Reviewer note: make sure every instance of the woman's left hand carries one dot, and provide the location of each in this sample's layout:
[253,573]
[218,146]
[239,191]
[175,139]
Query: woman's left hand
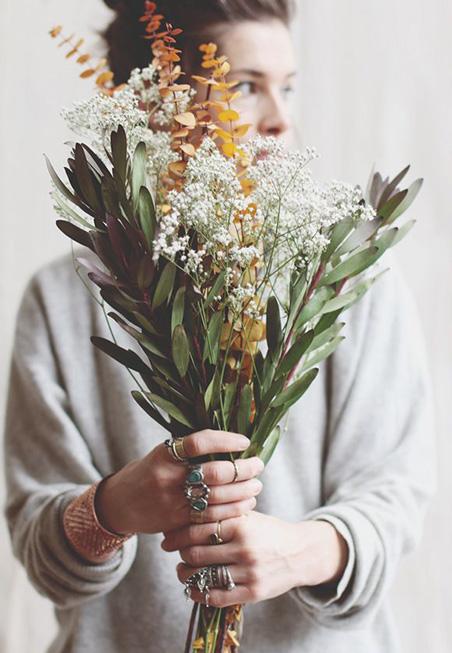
[266,556]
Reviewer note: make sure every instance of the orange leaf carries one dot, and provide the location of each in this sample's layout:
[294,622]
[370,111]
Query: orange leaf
[179,87]
[55,31]
[101,64]
[187,119]
[229,149]
[188,148]
[228,115]
[83,58]
[201,80]
[224,135]
[209,63]
[87,73]
[177,168]
[208,48]
[230,97]
[180,133]
[241,130]
[104,78]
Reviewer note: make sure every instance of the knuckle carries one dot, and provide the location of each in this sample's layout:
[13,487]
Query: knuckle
[196,442]
[215,473]
[248,555]
[191,555]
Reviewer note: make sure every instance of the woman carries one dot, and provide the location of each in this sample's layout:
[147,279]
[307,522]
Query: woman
[91,487]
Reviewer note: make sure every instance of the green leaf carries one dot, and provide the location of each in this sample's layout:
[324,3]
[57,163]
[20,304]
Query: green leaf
[69,211]
[85,180]
[402,231]
[351,266]
[359,236]
[391,205]
[326,336]
[345,300]
[270,444]
[408,200]
[165,285]
[274,332]
[295,390]
[119,153]
[138,172]
[295,353]
[150,410]
[216,288]
[180,350]
[177,316]
[145,272]
[146,212]
[212,342]
[228,403]
[322,353]
[126,357]
[314,306]
[244,412]
[75,233]
[391,187]
[59,184]
[169,408]
[144,340]
[145,323]
[340,231]
[209,392]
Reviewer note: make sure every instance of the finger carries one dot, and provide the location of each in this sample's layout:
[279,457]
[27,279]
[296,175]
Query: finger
[209,441]
[221,511]
[235,492]
[223,471]
[196,534]
[201,556]
[240,574]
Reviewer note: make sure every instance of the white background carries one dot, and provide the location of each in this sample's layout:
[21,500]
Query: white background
[375,88]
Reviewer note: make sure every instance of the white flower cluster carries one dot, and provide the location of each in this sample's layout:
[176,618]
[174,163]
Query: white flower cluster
[298,211]
[101,114]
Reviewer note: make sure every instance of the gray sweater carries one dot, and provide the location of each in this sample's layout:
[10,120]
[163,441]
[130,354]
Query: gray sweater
[359,452]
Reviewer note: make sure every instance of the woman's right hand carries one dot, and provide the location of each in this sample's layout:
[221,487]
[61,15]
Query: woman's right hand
[147,495]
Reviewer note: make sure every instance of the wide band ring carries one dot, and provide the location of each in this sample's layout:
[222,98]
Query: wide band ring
[207,578]
[177,450]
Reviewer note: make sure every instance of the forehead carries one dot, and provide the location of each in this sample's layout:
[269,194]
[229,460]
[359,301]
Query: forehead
[263,46]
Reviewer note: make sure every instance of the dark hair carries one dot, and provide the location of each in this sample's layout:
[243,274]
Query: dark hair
[127,49]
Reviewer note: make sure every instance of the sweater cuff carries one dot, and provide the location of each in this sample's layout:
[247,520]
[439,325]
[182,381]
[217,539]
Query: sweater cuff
[321,596]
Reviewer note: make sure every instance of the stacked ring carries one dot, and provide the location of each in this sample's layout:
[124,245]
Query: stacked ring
[215,538]
[195,490]
[177,450]
[207,578]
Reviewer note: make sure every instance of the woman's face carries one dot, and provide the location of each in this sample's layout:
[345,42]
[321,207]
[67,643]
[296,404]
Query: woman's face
[262,59]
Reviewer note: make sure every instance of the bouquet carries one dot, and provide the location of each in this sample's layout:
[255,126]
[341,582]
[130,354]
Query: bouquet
[223,258]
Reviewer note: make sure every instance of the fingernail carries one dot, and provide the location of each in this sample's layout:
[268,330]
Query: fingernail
[244,443]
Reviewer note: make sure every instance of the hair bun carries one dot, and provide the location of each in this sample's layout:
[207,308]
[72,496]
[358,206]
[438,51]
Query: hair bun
[132,7]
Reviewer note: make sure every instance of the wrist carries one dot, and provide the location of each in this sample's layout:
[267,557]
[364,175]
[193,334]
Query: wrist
[323,555]
[112,505]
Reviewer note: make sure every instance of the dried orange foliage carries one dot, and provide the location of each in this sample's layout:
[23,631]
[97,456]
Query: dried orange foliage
[104,79]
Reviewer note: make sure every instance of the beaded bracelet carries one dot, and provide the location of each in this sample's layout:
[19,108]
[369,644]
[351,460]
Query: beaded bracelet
[84,532]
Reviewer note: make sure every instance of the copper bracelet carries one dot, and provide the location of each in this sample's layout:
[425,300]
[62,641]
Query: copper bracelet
[84,532]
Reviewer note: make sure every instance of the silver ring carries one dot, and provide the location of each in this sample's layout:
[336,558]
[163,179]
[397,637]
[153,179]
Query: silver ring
[195,490]
[207,578]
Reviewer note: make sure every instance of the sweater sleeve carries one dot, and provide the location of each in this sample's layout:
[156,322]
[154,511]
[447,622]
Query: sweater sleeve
[48,464]
[380,464]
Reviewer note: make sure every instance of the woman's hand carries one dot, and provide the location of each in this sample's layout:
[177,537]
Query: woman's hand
[147,495]
[266,556]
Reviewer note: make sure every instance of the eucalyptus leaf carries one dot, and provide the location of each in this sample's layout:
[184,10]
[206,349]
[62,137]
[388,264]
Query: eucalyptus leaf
[326,336]
[145,324]
[388,209]
[359,236]
[126,357]
[212,342]
[339,233]
[314,306]
[392,187]
[216,288]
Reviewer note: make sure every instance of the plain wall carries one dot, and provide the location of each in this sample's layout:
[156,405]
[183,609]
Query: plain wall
[375,88]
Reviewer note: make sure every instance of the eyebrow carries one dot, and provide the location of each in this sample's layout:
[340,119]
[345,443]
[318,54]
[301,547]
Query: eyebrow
[256,73]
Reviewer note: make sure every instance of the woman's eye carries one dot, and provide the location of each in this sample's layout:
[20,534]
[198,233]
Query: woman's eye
[246,88]
[287,91]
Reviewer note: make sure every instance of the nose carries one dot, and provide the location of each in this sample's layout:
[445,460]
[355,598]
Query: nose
[275,120]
